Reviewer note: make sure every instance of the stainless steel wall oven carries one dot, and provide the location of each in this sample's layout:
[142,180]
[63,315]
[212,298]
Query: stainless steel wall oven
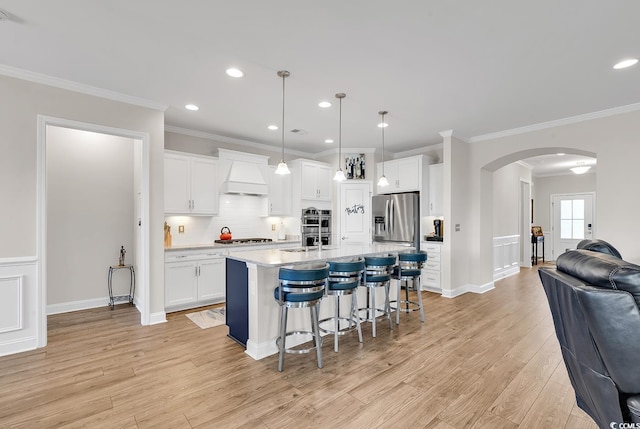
[315,226]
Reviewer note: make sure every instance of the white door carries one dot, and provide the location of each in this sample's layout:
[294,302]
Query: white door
[355,212]
[572,221]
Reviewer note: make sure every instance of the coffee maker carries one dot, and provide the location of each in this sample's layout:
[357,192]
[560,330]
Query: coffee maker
[438,228]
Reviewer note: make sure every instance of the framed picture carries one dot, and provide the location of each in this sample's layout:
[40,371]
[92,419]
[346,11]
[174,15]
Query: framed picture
[354,166]
[536,231]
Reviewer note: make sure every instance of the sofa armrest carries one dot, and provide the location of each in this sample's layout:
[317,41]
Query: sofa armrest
[614,322]
[633,403]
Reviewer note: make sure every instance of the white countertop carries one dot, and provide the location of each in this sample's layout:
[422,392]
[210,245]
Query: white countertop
[280,257]
[237,246]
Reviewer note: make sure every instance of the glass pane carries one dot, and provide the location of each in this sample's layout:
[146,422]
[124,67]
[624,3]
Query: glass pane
[565,209]
[565,229]
[578,209]
[578,229]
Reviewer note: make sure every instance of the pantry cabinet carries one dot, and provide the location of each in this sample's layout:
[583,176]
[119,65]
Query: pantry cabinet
[436,187]
[190,184]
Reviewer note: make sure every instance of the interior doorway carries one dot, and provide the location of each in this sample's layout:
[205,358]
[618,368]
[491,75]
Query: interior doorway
[572,220]
[139,195]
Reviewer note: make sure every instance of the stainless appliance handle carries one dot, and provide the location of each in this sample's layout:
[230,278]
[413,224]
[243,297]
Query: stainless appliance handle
[392,215]
[386,217]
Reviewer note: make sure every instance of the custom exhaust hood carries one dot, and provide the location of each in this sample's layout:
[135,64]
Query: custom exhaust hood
[243,173]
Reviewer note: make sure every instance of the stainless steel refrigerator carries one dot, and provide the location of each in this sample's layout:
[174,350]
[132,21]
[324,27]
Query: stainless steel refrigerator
[396,218]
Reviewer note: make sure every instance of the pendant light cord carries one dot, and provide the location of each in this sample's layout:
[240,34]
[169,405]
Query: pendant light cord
[340,137]
[383,144]
[283,78]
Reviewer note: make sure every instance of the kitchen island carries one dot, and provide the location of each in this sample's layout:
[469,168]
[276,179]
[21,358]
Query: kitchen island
[253,313]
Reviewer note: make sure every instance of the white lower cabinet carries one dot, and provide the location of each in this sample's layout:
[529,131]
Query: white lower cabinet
[431,269]
[193,281]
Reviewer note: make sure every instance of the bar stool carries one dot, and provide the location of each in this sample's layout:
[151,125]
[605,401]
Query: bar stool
[377,273]
[300,287]
[344,278]
[409,268]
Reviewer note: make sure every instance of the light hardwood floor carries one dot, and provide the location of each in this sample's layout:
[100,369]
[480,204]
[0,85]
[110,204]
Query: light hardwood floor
[479,361]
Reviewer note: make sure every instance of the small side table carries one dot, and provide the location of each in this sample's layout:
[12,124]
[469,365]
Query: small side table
[534,249]
[132,285]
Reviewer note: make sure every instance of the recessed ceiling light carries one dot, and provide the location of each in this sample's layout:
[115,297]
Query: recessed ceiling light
[273,127]
[191,107]
[324,104]
[233,72]
[328,141]
[383,125]
[626,63]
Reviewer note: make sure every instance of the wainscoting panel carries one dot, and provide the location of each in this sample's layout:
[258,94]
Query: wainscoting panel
[10,303]
[18,305]
[506,256]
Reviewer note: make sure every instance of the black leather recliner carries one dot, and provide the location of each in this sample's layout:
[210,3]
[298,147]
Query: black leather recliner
[594,299]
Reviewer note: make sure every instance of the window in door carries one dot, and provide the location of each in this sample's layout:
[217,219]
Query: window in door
[572,219]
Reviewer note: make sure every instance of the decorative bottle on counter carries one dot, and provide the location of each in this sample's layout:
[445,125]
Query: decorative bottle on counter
[281,234]
[167,235]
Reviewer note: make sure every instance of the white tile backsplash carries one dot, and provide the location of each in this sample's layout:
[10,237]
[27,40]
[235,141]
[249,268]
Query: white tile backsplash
[244,215]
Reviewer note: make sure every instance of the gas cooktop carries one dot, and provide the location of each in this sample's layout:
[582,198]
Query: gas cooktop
[243,241]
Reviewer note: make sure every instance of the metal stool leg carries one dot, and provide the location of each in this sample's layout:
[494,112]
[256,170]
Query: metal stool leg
[283,336]
[419,291]
[355,315]
[336,314]
[373,317]
[316,333]
[387,304]
[398,295]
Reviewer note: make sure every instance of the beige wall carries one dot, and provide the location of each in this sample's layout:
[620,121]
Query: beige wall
[506,198]
[613,140]
[20,104]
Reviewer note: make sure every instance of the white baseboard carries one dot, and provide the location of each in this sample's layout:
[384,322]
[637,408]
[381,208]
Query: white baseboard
[480,288]
[66,307]
[156,318]
[262,350]
[506,273]
[18,346]
[468,288]
[454,292]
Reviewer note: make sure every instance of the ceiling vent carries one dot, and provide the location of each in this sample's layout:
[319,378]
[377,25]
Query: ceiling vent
[299,132]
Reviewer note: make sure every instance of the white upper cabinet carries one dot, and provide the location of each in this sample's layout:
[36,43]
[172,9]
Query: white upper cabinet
[190,184]
[279,202]
[315,181]
[404,175]
[436,187]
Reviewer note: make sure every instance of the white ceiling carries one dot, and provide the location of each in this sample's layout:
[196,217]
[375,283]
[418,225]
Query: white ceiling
[474,67]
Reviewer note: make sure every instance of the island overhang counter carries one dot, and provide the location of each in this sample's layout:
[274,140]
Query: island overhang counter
[251,310]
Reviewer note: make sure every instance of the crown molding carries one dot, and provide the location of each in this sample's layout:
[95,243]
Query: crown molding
[79,87]
[558,122]
[446,133]
[234,141]
[346,150]
[419,151]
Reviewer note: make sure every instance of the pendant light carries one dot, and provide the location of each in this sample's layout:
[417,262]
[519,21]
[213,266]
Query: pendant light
[282,167]
[339,177]
[383,179]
